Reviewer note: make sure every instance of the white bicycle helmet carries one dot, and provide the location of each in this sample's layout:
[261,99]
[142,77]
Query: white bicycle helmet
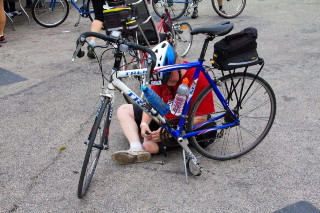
[165,56]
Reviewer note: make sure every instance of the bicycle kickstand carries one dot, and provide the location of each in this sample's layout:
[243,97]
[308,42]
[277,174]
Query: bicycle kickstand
[188,157]
[78,22]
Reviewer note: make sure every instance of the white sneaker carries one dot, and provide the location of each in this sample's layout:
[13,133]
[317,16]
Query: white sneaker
[17,13]
[131,156]
[10,15]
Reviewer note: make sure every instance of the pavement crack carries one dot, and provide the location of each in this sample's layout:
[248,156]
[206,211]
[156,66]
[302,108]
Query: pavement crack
[35,177]
[82,126]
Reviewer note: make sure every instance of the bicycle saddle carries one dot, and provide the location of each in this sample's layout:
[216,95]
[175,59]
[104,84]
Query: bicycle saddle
[220,29]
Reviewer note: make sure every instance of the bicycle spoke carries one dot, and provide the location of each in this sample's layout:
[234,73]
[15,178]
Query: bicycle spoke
[256,116]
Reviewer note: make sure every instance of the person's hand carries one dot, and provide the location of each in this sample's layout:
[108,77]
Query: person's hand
[145,131]
[155,135]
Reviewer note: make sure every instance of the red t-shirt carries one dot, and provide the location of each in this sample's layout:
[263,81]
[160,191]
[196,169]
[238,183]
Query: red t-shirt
[168,93]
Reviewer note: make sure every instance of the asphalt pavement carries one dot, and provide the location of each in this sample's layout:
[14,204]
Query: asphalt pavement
[47,104]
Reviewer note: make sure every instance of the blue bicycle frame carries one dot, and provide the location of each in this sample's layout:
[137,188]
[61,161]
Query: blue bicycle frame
[199,68]
[82,9]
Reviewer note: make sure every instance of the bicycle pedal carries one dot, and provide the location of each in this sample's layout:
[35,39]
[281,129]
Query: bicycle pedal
[162,162]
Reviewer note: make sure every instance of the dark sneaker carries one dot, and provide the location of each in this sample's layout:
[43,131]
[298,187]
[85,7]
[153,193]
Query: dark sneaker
[131,156]
[222,11]
[3,39]
[195,14]
[90,52]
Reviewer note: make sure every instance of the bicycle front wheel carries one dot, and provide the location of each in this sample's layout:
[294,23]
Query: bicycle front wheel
[183,38]
[252,100]
[228,8]
[50,13]
[176,8]
[98,140]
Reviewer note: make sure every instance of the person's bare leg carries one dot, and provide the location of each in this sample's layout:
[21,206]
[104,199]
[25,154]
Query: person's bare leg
[135,154]
[128,124]
[2,18]
[220,2]
[150,146]
[95,27]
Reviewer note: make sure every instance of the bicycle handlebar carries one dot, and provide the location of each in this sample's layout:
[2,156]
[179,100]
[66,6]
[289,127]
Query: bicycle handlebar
[82,38]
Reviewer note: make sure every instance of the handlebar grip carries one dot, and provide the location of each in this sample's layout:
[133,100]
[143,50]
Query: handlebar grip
[98,35]
[135,46]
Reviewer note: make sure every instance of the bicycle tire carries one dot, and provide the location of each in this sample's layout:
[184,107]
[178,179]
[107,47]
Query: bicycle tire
[231,8]
[176,9]
[89,8]
[182,38]
[135,60]
[94,149]
[47,16]
[256,115]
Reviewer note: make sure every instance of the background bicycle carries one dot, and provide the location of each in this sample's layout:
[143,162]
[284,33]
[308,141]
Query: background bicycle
[178,34]
[177,8]
[52,13]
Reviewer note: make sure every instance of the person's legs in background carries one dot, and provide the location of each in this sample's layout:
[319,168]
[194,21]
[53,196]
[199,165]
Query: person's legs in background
[220,3]
[96,24]
[2,22]
[95,27]
[28,4]
[10,8]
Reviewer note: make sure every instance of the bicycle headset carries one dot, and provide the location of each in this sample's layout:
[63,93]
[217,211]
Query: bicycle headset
[166,55]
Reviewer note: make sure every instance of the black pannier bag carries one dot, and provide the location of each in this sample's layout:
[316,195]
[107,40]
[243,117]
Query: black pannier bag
[120,18]
[236,50]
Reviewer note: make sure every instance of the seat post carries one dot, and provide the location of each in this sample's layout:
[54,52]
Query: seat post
[205,46]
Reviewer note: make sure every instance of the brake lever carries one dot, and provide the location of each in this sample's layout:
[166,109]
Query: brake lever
[78,52]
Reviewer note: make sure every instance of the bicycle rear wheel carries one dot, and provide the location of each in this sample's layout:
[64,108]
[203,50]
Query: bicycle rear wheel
[176,8]
[230,8]
[86,8]
[98,140]
[182,38]
[89,9]
[50,13]
[254,105]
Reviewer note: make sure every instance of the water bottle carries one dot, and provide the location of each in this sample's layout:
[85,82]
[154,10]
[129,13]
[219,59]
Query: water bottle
[180,98]
[154,99]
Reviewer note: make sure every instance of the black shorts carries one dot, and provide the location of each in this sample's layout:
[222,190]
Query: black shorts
[153,126]
[98,9]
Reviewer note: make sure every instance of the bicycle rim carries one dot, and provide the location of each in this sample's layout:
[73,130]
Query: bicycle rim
[89,8]
[48,13]
[98,139]
[230,8]
[256,115]
[176,8]
[183,38]
[133,60]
